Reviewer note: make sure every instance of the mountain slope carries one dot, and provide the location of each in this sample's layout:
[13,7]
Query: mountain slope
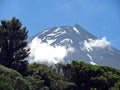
[66,43]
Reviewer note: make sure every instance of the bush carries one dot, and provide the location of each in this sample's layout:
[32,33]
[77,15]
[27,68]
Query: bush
[87,76]
[42,76]
[13,80]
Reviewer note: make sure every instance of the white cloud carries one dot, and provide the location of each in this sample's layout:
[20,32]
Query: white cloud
[45,53]
[102,43]
[99,43]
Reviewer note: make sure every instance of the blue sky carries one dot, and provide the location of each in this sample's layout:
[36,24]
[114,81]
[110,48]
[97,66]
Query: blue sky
[100,17]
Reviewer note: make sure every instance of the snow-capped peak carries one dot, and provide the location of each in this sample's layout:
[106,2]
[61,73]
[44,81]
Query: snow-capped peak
[66,43]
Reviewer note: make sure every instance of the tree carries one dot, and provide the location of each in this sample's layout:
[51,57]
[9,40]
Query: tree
[12,44]
[12,80]
[89,77]
[43,77]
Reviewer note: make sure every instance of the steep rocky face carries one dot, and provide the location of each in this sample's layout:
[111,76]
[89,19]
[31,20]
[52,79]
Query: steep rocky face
[66,43]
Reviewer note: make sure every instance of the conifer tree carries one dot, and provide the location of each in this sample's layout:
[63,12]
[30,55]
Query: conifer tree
[12,44]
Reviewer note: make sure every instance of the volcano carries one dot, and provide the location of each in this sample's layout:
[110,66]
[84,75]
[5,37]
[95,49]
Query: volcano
[66,43]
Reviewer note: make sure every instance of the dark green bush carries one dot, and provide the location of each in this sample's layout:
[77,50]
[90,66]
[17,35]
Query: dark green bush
[12,79]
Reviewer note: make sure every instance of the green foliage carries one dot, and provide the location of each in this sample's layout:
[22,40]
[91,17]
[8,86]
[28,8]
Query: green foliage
[75,76]
[12,80]
[87,76]
[12,45]
[9,72]
[36,82]
[22,84]
[43,76]
[4,85]
[116,86]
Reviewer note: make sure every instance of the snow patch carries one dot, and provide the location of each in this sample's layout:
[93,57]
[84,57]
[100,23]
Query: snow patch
[90,57]
[90,39]
[57,29]
[55,33]
[60,33]
[45,31]
[76,30]
[87,46]
[93,63]
[42,52]
[66,40]
[52,34]
[50,41]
